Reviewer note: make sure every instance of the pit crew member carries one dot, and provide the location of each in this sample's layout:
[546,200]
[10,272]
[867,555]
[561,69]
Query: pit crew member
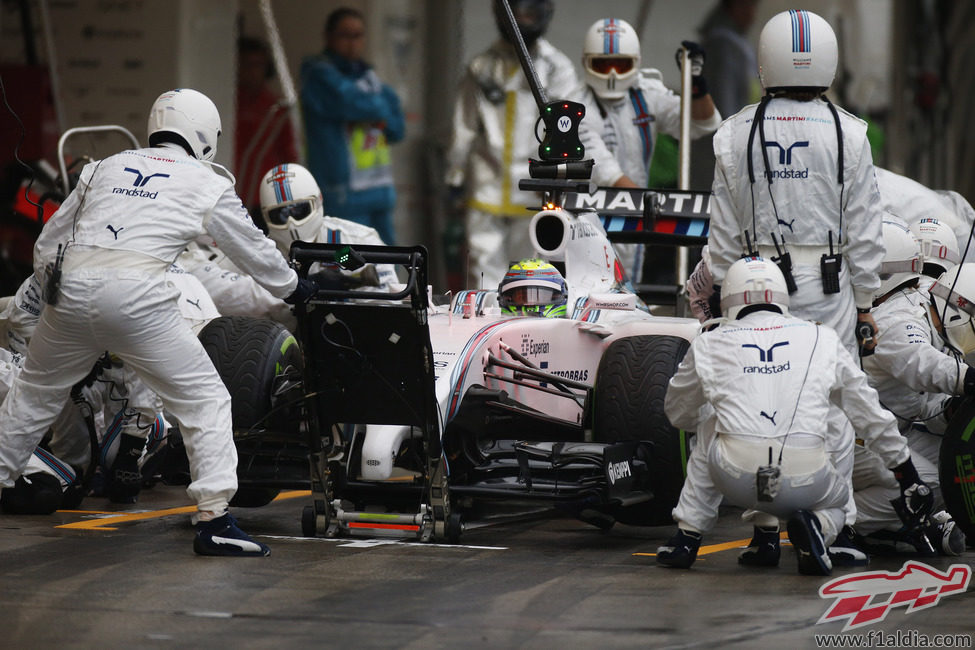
[770,379]
[627,107]
[489,149]
[103,257]
[794,182]
[915,375]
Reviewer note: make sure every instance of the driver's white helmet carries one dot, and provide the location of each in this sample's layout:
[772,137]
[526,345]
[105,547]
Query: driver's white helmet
[954,298]
[797,49]
[753,281]
[611,57]
[939,246]
[902,257]
[188,114]
[292,206]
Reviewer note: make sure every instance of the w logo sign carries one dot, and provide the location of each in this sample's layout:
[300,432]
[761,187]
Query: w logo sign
[140,180]
[765,355]
[865,598]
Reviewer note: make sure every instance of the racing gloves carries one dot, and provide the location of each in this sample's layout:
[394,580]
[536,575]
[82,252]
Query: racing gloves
[306,289]
[969,382]
[695,56]
[865,332]
[916,497]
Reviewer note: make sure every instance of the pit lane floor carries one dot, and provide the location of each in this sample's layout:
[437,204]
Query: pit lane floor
[126,577]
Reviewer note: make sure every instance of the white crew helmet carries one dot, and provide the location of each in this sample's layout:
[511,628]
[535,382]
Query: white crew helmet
[292,206]
[611,57]
[939,245]
[188,114]
[902,257]
[797,49]
[954,298]
[753,281]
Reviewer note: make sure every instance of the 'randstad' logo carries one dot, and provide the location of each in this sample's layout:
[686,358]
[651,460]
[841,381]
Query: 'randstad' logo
[785,158]
[766,357]
[865,598]
[139,183]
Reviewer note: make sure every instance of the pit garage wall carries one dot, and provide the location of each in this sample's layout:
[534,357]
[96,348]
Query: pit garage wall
[114,57]
[960,136]
[933,97]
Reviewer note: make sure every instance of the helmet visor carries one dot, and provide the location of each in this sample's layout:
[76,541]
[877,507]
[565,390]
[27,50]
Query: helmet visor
[297,211]
[605,65]
[527,296]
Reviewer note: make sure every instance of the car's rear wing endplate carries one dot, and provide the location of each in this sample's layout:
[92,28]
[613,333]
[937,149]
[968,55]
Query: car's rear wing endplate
[657,216]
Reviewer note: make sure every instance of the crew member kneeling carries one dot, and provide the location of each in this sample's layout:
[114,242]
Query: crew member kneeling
[769,379]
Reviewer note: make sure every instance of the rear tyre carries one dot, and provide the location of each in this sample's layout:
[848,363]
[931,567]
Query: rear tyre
[631,384]
[256,358]
[956,468]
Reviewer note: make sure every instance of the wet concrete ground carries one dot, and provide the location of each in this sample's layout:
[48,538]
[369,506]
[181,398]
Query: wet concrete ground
[126,577]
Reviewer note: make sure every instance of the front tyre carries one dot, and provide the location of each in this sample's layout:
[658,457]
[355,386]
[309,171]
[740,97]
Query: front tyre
[256,359]
[628,404]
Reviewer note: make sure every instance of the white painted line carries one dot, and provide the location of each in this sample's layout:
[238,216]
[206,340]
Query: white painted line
[210,614]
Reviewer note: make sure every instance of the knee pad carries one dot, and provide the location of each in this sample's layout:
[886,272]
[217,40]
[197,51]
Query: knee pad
[32,494]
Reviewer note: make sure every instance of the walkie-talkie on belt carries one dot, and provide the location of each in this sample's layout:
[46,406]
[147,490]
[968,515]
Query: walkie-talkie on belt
[767,479]
[829,266]
[784,262]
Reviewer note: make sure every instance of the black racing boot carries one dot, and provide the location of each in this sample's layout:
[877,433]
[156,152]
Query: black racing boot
[763,550]
[222,536]
[680,550]
[845,551]
[945,535]
[806,536]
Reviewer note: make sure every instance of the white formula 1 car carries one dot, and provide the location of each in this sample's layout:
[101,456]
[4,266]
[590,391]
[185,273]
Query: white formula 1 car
[414,412]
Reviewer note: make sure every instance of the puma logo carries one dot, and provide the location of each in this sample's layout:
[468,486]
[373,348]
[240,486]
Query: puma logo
[195,303]
[770,417]
[787,224]
[115,232]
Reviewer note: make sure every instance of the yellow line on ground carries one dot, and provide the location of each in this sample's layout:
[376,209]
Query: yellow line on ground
[109,523]
[292,494]
[716,548]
